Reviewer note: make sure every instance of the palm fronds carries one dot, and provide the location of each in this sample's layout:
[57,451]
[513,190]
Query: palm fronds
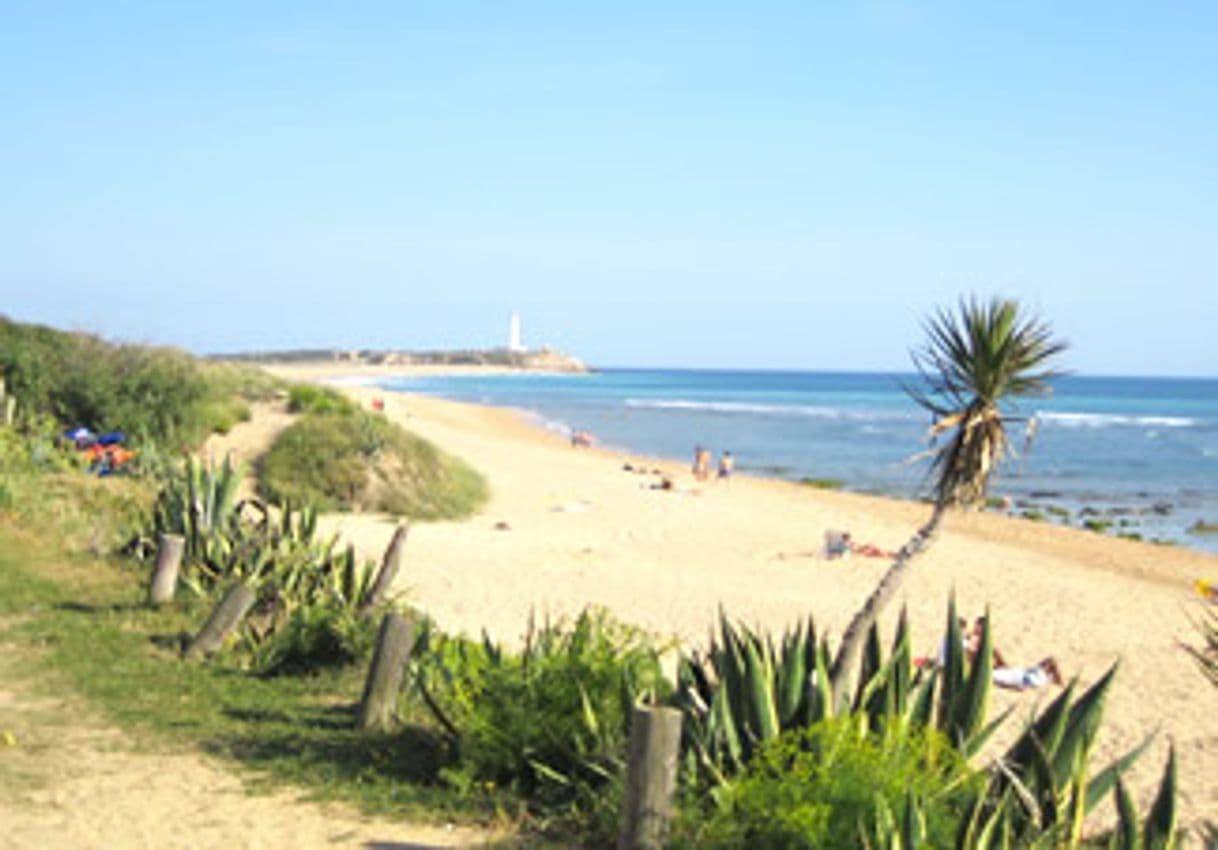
[974,364]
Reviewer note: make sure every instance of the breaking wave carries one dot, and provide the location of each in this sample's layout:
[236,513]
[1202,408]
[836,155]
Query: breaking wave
[1109,420]
[810,411]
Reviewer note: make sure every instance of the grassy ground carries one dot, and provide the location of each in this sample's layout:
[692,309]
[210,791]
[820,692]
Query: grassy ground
[80,624]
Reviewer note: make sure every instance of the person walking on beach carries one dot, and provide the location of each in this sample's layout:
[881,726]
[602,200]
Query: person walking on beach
[702,461]
[727,463]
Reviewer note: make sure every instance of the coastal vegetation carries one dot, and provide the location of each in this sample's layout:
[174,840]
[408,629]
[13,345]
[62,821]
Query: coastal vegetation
[157,396]
[775,753]
[338,457]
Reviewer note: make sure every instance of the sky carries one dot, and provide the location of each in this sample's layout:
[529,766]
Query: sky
[749,185]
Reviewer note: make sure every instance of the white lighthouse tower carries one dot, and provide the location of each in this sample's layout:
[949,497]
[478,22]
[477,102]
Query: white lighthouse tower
[514,333]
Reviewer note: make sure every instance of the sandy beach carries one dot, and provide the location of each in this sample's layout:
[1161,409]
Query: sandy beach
[566,528]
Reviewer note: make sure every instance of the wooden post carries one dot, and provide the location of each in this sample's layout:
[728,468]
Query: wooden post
[651,777]
[384,683]
[223,620]
[165,573]
[390,564]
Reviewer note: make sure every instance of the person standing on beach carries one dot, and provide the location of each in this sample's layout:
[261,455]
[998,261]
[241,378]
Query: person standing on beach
[726,464]
[702,461]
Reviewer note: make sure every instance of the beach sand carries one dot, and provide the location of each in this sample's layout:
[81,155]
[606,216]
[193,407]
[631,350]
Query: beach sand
[582,531]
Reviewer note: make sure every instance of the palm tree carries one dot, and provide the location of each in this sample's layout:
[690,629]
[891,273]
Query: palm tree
[974,365]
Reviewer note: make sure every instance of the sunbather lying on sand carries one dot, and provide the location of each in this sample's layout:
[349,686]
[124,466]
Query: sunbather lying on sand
[838,543]
[1007,676]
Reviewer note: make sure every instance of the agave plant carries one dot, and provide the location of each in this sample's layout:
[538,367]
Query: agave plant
[974,365]
[745,691]
[989,827]
[197,501]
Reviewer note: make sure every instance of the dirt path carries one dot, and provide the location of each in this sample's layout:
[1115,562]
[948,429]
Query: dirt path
[67,780]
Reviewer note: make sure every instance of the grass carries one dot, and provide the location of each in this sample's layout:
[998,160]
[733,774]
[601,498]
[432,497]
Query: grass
[82,623]
[353,460]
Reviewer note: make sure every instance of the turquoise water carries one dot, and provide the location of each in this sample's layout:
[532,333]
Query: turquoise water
[1141,453]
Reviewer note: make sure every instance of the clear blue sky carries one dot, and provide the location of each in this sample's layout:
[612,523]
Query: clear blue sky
[744,184]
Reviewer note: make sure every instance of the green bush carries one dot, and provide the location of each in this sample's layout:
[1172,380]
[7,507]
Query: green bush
[550,722]
[357,461]
[152,394]
[314,637]
[823,787]
[310,398]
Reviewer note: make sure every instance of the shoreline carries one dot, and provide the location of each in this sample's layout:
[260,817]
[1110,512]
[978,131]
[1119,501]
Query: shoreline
[1159,518]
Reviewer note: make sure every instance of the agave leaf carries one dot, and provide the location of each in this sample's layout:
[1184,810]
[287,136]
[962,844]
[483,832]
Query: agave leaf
[922,700]
[1161,821]
[1081,728]
[913,824]
[820,690]
[951,679]
[976,742]
[1104,781]
[902,670]
[967,829]
[988,826]
[1125,836]
[1045,731]
[723,727]
[792,678]
[872,661]
[1042,780]
[761,693]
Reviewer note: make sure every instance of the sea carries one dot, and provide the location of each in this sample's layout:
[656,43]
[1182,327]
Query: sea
[1120,455]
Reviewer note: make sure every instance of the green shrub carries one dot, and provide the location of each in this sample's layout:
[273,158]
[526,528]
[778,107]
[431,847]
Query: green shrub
[152,394]
[314,637]
[310,398]
[821,787]
[550,722]
[357,461]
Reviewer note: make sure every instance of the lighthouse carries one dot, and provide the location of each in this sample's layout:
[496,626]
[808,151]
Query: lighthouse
[514,333]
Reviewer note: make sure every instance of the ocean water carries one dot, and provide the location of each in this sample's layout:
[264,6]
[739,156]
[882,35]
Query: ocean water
[1138,453]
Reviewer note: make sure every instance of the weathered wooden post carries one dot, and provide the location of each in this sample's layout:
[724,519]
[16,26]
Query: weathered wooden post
[223,621]
[165,573]
[384,683]
[390,564]
[651,777]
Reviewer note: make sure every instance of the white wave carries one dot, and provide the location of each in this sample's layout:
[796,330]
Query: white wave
[808,410]
[1106,420]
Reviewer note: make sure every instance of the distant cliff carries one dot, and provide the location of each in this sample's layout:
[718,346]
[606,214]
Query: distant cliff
[545,359]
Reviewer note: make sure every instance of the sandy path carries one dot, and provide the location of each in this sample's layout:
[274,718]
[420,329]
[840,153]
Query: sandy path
[71,782]
[583,531]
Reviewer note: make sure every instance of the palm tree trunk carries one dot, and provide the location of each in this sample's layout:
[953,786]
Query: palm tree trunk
[856,633]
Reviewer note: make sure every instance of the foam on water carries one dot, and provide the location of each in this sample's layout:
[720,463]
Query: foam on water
[755,409]
[1069,419]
